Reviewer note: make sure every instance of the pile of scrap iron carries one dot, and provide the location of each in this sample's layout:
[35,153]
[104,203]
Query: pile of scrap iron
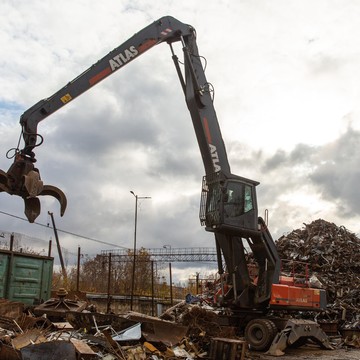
[91,335]
[333,256]
[72,329]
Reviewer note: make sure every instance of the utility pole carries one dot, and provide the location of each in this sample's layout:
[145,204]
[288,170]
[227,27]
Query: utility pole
[109,287]
[49,251]
[134,259]
[59,248]
[78,270]
[152,288]
[171,288]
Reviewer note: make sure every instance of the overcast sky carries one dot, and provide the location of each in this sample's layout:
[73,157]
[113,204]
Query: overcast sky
[286,75]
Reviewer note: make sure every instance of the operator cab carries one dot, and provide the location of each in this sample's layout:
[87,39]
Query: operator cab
[228,202]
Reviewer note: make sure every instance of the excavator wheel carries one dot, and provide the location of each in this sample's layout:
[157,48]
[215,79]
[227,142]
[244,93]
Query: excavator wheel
[272,324]
[259,334]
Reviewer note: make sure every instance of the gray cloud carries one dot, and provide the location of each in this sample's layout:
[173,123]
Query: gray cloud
[134,132]
[275,161]
[337,173]
[332,167]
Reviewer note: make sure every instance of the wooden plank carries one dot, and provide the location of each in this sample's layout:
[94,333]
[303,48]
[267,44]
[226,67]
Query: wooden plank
[82,348]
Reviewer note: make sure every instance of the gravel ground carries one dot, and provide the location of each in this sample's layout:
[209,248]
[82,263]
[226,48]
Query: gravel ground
[308,352]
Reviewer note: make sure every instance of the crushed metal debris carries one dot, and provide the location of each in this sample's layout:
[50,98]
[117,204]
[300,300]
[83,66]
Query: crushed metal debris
[333,256]
[91,335]
[193,328]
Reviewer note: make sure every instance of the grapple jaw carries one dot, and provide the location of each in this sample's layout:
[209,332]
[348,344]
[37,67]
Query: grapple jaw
[23,179]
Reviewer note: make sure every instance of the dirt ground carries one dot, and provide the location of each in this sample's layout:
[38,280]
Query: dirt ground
[308,352]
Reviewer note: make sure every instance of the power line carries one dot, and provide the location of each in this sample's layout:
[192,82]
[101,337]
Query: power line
[64,231]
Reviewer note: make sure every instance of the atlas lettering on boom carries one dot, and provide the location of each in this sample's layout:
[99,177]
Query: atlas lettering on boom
[215,157]
[122,58]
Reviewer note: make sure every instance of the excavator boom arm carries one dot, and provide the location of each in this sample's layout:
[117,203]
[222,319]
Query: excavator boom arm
[166,29]
[196,89]
[229,206]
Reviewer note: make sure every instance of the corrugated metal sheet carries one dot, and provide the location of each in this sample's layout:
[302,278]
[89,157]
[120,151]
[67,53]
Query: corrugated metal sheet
[25,277]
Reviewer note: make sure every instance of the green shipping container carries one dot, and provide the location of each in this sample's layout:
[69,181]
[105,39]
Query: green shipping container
[25,277]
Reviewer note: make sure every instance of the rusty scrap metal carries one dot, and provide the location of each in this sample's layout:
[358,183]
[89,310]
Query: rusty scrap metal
[83,350]
[231,349]
[58,307]
[332,253]
[49,350]
[155,329]
[11,309]
[33,336]
[185,328]
[85,320]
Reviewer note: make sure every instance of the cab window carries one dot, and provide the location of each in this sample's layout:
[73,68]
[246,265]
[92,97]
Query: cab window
[238,199]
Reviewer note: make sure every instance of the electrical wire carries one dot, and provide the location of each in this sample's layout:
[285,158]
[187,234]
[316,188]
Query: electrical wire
[64,231]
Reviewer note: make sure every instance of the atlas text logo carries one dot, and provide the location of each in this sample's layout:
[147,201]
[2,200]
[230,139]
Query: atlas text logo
[122,58]
[215,157]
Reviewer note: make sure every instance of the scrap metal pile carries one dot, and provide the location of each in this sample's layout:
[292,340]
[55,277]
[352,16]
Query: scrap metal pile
[91,335]
[333,256]
[72,329]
